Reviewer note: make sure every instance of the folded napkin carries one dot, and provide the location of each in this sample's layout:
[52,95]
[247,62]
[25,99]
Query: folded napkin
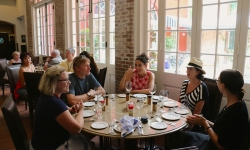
[128,125]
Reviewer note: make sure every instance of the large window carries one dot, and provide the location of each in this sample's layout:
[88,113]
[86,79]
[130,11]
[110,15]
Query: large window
[92,28]
[197,28]
[44,28]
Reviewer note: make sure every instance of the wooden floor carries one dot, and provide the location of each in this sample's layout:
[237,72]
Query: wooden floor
[5,138]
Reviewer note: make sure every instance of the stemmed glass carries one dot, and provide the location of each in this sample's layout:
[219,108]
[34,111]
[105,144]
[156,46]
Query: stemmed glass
[152,91]
[128,86]
[162,94]
[98,93]
[101,103]
[139,104]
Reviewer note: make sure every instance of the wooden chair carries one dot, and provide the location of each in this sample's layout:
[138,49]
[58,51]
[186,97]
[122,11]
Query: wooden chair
[102,75]
[32,81]
[13,76]
[215,97]
[3,80]
[15,124]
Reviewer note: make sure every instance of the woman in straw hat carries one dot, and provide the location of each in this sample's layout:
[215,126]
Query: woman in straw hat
[194,92]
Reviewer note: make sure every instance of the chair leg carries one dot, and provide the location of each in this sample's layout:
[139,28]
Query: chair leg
[3,88]
[31,114]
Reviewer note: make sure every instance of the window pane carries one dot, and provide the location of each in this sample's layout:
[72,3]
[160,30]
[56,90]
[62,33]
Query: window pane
[74,40]
[183,60]
[208,41]
[222,63]
[112,24]
[112,7]
[184,44]
[73,14]
[96,40]
[153,5]
[153,20]
[208,65]
[171,41]
[171,19]
[185,3]
[185,19]
[96,26]
[248,43]
[102,56]
[228,16]
[153,40]
[170,62]
[73,27]
[97,55]
[209,20]
[228,0]
[112,56]
[112,40]
[247,70]
[153,60]
[210,1]
[171,3]
[226,42]
[95,11]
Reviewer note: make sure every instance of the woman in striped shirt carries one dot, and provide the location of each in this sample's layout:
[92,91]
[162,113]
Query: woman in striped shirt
[194,93]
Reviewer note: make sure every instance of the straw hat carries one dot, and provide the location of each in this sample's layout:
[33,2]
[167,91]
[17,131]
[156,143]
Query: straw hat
[196,63]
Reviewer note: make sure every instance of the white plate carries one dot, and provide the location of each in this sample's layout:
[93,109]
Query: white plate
[155,97]
[170,104]
[140,95]
[117,128]
[88,104]
[121,95]
[159,125]
[88,113]
[99,125]
[181,111]
[170,116]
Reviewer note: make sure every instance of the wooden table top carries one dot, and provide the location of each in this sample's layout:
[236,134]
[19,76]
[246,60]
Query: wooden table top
[117,109]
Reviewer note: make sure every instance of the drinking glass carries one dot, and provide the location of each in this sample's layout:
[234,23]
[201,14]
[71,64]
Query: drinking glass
[101,103]
[162,94]
[152,92]
[98,93]
[128,86]
[112,97]
[139,104]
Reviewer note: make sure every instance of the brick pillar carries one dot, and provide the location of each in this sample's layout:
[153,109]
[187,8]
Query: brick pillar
[124,38]
[29,38]
[60,26]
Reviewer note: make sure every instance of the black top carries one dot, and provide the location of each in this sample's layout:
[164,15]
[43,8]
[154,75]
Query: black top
[230,126]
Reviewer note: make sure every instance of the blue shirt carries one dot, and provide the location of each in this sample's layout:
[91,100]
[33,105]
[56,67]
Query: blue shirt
[48,133]
[81,86]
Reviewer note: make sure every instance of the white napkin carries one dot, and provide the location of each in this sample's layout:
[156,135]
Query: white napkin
[128,125]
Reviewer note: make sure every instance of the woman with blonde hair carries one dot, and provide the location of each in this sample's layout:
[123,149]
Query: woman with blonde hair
[16,58]
[54,126]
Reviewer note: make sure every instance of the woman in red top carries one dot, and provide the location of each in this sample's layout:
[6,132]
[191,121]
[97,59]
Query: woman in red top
[142,79]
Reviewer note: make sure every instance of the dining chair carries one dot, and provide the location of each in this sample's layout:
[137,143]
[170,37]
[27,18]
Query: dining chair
[13,76]
[215,97]
[246,141]
[102,75]
[32,81]
[15,124]
[3,79]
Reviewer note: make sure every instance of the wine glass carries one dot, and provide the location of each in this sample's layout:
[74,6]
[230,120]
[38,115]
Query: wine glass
[128,86]
[162,94]
[98,93]
[101,103]
[152,91]
[139,104]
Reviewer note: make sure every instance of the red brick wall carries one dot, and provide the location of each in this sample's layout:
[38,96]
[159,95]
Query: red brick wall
[124,39]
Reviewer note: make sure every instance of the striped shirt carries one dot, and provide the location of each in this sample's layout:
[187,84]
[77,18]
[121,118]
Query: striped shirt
[191,99]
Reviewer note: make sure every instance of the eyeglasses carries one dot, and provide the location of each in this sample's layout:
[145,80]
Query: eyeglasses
[65,80]
[217,80]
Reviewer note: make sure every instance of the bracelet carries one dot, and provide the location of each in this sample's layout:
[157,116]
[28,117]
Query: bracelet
[207,128]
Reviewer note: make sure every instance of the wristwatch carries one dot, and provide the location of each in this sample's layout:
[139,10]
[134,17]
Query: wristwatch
[88,94]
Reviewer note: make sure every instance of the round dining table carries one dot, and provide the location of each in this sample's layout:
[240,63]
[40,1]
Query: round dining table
[117,108]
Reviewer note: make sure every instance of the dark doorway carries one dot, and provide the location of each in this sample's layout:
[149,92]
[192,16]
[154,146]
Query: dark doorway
[7,40]
[4,42]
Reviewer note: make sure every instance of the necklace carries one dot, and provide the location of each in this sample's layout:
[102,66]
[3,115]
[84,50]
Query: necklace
[69,66]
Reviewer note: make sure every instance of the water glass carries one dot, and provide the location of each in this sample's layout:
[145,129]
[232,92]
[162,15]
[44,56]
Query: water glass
[139,104]
[128,86]
[152,91]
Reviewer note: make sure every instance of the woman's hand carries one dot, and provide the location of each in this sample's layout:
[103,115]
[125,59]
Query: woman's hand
[75,108]
[197,119]
[129,74]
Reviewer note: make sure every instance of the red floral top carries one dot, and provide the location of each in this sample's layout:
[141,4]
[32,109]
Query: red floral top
[140,83]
